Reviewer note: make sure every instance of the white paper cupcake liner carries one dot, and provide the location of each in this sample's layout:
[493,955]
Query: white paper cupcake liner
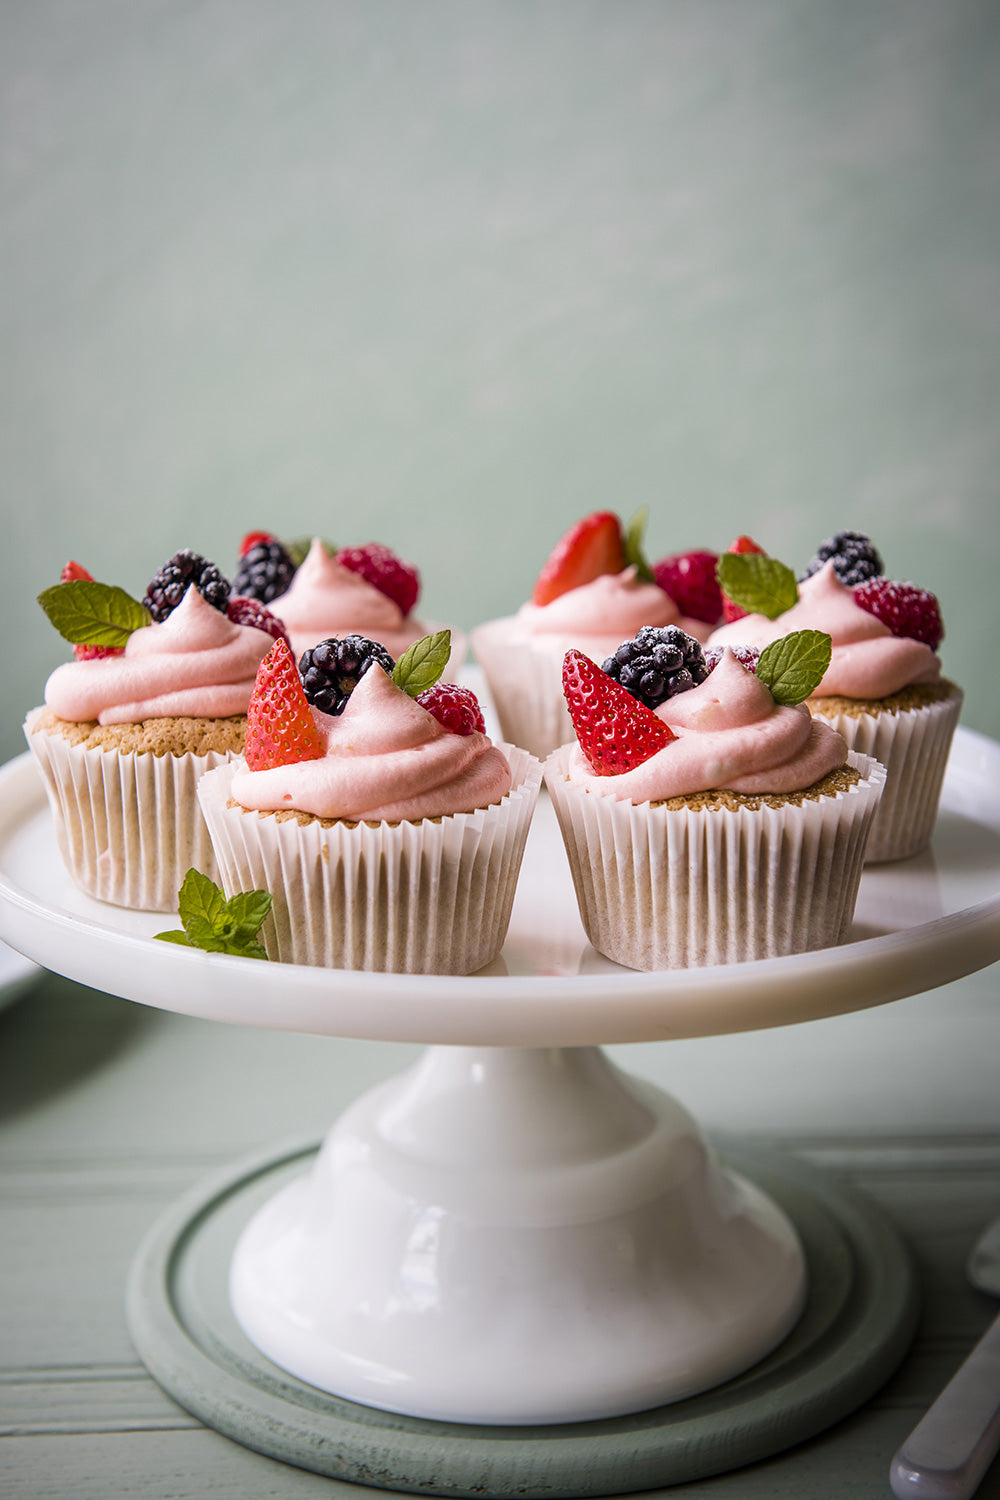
[525,682]
[128,826]
[913,746]
[432,897]
[662,888]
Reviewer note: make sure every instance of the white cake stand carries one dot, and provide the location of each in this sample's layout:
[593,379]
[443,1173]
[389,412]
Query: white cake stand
[514,1233]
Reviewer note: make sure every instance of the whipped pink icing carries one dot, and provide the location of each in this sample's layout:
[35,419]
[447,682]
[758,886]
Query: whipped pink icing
[197,663]
[867,661]
[730,733]
[598,616]
[386,758]
[325,599]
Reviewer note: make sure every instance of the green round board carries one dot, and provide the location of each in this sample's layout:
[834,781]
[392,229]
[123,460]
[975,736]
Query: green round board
[858,1321]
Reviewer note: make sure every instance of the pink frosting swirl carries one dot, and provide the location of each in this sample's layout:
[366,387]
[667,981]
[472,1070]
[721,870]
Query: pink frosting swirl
[386,758]
[598,616]
[197,663]
[730,733]
[325,599]
[867,661]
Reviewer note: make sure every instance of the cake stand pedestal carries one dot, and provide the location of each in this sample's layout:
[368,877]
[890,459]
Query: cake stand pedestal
[515,1269]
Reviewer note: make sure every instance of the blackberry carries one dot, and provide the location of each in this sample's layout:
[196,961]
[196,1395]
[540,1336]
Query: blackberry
[658,663]
[264,572]
[332,670]
[855,559]
[166,590]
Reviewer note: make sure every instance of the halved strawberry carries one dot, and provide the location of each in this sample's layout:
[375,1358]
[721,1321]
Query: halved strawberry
[380,567]
[731,611]
[254,539]
[593,546]
[280,727]
[615,731]
[905,609]
[689,578]
[73,573]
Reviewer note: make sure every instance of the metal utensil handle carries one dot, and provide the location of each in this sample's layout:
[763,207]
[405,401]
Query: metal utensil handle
[950,1449]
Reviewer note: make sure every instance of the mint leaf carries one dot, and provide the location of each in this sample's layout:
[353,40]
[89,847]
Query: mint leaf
[794,666]
[92,614]
[421,664]
[760,585]
[216,925]
[635,557]
[298,549]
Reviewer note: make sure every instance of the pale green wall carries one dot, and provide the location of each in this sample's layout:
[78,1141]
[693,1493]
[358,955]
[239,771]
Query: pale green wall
[452,274]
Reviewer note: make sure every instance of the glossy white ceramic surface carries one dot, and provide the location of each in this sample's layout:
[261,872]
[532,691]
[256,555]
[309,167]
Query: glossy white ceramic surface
[919,923]
[517,1236]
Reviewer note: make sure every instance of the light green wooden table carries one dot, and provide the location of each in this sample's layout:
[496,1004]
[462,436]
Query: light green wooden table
[108,1112]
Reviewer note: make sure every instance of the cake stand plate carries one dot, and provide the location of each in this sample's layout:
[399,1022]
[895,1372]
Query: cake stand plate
[857,1324]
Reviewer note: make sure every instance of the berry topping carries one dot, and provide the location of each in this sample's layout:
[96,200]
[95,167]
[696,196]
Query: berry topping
[593,546]
[254,539]
[457,708]
[616,733]
[171,583]
[385,571]
[742,544]
[855,560]
[904,609]
[280,728]
[659,662]
[73,572]
[747,656]
[95,653]
[252,612]
[689,578]
[332,669]
[265,570]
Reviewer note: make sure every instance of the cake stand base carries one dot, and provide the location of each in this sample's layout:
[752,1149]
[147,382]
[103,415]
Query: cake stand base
[856,1325]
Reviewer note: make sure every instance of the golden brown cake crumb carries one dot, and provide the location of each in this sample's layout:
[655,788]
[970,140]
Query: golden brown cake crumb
[919,695]
[170,736]
[830,785]
[290,814]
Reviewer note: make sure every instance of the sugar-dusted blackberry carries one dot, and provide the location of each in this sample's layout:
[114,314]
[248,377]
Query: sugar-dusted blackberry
[332,670]
[166,590]
[264,572]
[659,662]
[855,558]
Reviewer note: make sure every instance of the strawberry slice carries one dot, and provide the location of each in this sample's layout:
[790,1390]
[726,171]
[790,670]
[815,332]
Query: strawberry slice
[731,611]
[280,727]
[254,539]
[74,573]
[593,546]
[615,731]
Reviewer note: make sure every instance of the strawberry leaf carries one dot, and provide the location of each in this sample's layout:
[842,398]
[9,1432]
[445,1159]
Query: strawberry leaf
[635,556]
[92,614]
[793,666]
[759,584]
[421,664]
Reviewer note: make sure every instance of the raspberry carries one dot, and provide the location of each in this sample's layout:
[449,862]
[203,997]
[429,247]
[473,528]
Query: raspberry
[265,570]
[657,663]
[616,733]
[168,587]
[280,728]
[747,656]
[855,560]
[385,571]
[457,708]
[689,578]
[592,547]
[731,611]
[73,572]
[252,612]
[332,669]
[905,609]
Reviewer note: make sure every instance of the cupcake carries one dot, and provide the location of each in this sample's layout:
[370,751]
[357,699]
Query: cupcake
[594,590]
[883,690]
[325,592]
[723,823]
[156,696]
[387,828]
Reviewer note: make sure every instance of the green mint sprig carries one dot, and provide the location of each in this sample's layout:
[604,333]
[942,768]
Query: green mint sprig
[93,614]
[759,584]
[216,925]
[421,664]
[793,666]
[299,548]
[635,556]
